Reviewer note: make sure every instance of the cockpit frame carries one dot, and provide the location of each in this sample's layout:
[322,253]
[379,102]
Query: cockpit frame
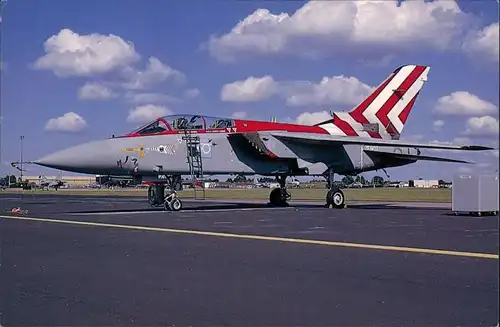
[173,124]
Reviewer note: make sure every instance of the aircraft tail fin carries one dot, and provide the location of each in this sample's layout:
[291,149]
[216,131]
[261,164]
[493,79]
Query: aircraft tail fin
[385,111]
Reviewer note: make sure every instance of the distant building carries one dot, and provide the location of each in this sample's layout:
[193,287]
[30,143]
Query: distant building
[426,183]
[404,184]
[398,184]
[73,181]
[210,184]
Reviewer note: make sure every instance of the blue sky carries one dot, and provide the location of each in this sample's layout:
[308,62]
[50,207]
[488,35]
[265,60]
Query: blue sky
[176,56]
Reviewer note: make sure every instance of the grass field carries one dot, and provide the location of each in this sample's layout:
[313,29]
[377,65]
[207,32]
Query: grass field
[367,194]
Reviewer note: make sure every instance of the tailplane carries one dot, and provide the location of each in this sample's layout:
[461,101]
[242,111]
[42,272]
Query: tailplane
[383,113]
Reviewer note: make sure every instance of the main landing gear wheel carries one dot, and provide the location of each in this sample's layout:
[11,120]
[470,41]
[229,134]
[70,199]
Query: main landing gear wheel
[279,197]
[156,195]
[335,198]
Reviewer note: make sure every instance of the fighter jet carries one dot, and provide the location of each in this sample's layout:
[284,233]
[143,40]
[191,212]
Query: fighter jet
[365,139]
[47,184]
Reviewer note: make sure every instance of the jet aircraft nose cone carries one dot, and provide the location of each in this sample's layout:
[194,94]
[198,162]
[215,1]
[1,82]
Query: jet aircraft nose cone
[58,160]
[84,158]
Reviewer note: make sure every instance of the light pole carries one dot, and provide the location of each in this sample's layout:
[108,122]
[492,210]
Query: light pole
[2,5]
[22,138]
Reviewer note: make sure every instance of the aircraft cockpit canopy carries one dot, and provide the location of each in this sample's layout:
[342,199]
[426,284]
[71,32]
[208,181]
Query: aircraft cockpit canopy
[184,122]
[181,122]
[156,127]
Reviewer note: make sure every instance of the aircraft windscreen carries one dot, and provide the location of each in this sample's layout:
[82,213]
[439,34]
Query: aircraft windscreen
[155,127]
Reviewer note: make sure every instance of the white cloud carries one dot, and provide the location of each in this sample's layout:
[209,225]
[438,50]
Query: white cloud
[465,169]
[484,164]
[150,98]
[69,122]
[249,90]
[483,167]
[437,142]
[191,93]
[484,43]
[322,27]
[146,113]
[95,91]
[155,72]
[482,126]
[461,141]
[311,118]
[71,54]
[454,141]
[239,115]
[330,90]
[465,104]
[412,137]
[437,125]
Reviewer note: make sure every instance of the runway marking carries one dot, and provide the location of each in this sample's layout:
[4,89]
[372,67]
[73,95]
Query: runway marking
[263,238]
[483,230]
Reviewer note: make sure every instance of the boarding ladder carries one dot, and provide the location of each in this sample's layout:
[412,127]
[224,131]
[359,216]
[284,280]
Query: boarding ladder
[195,162]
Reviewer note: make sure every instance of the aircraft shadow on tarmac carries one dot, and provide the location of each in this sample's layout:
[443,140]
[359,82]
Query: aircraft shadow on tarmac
[236,206]
[204,207]
[472,214]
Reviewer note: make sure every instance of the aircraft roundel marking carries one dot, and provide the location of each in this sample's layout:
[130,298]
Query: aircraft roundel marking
[206,148]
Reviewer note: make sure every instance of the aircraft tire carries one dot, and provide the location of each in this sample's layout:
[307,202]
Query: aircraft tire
[176,204]
[276,199]
[335,198]
[151,197]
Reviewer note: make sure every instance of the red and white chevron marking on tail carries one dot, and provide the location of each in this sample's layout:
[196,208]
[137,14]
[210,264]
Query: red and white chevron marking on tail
[384,113]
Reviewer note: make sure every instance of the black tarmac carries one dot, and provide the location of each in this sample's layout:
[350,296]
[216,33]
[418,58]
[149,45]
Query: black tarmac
[69,273]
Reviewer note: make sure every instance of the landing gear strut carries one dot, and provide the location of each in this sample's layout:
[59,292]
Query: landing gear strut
[279,196]
[157,195]
[334,197]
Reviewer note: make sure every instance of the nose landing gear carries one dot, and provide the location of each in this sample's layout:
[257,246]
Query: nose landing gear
[172,202]
[157,195]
